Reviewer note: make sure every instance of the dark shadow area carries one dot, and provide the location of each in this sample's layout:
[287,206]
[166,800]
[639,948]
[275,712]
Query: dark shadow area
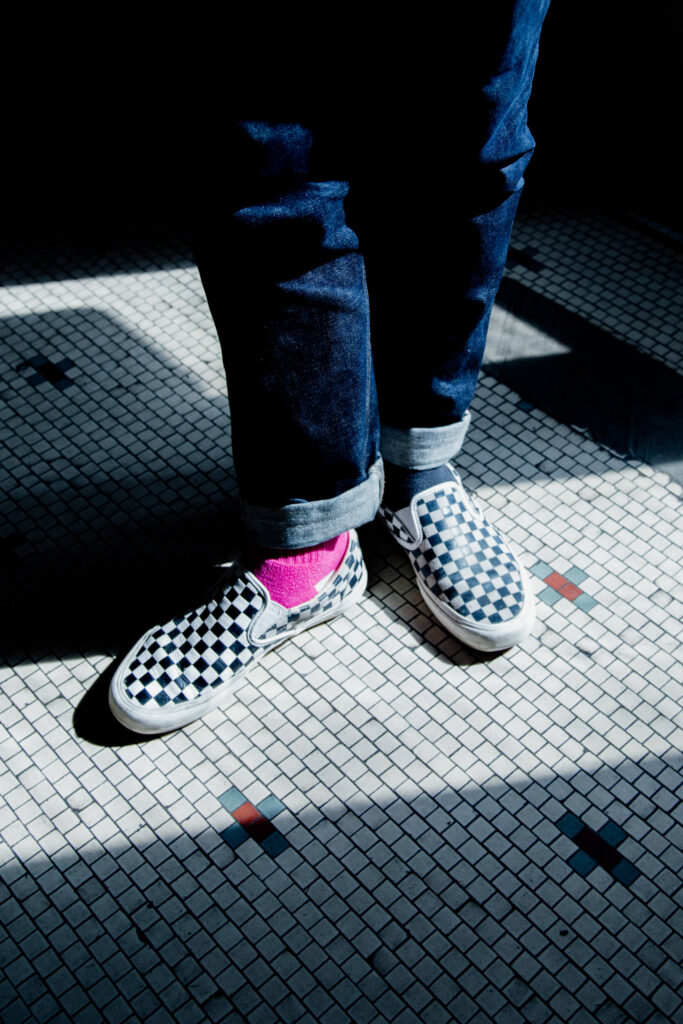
[603,106]
[112,519]
[628,401]
[459,901]
[112,122]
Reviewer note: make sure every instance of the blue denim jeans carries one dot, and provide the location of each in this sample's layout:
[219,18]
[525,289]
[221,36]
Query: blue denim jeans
[319,206]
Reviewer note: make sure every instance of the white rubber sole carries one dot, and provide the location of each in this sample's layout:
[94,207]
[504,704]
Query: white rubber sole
[495,637]
[150,721]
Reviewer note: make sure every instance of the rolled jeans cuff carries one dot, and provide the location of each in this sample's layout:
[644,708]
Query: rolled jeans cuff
[302,524]
[423,447]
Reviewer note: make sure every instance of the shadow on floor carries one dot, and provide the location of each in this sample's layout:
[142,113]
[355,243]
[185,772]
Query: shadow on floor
[629,402]
[479,898]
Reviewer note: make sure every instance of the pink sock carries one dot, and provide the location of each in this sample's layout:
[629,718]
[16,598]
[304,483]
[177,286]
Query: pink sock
[290,576]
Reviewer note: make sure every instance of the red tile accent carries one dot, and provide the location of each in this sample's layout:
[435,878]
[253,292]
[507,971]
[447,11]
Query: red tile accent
[570,591]
[556,581]
[252,821]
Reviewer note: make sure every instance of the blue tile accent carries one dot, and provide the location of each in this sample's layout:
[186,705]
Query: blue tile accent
[232,799]
[575,576]
[550,596]
[612,833]
[625,872]
[270,807]
[582,862]
[541,570]
[234,835]
[274,844]
[584,602]
[569,824]
[602,846]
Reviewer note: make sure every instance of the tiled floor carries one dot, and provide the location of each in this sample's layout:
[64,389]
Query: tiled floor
[381,825]
[619,269]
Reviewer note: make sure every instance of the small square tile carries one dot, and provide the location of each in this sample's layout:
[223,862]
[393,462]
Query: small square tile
[231,799]
[234,835]
[612,833]
[625,872]
[575,575]
[270,807]
[569,824]
[274,844]
[581,862]
[555,580]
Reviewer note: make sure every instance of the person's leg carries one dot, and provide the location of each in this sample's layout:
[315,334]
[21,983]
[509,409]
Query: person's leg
[286,286]
[434,271]
[433,289]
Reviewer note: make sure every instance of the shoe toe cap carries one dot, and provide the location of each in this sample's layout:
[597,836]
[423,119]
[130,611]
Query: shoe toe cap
[157,685]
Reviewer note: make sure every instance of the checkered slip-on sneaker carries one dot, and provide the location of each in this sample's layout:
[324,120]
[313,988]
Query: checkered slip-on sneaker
[469,578]
[181,670]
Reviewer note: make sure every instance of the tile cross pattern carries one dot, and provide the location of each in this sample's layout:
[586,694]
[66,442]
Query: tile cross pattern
[597,848]
[253,822]
[563,585]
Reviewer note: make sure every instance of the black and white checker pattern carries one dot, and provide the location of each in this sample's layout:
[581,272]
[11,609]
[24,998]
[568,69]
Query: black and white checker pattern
[176,662]
[396,527]
[461,558]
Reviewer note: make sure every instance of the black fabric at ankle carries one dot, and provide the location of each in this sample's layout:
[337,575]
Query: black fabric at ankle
[401,485]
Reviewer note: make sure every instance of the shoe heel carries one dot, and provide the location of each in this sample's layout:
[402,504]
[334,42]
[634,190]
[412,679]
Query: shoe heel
[349,602]
[357,593]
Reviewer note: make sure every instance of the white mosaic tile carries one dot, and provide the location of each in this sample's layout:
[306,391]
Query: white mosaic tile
[429,868]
